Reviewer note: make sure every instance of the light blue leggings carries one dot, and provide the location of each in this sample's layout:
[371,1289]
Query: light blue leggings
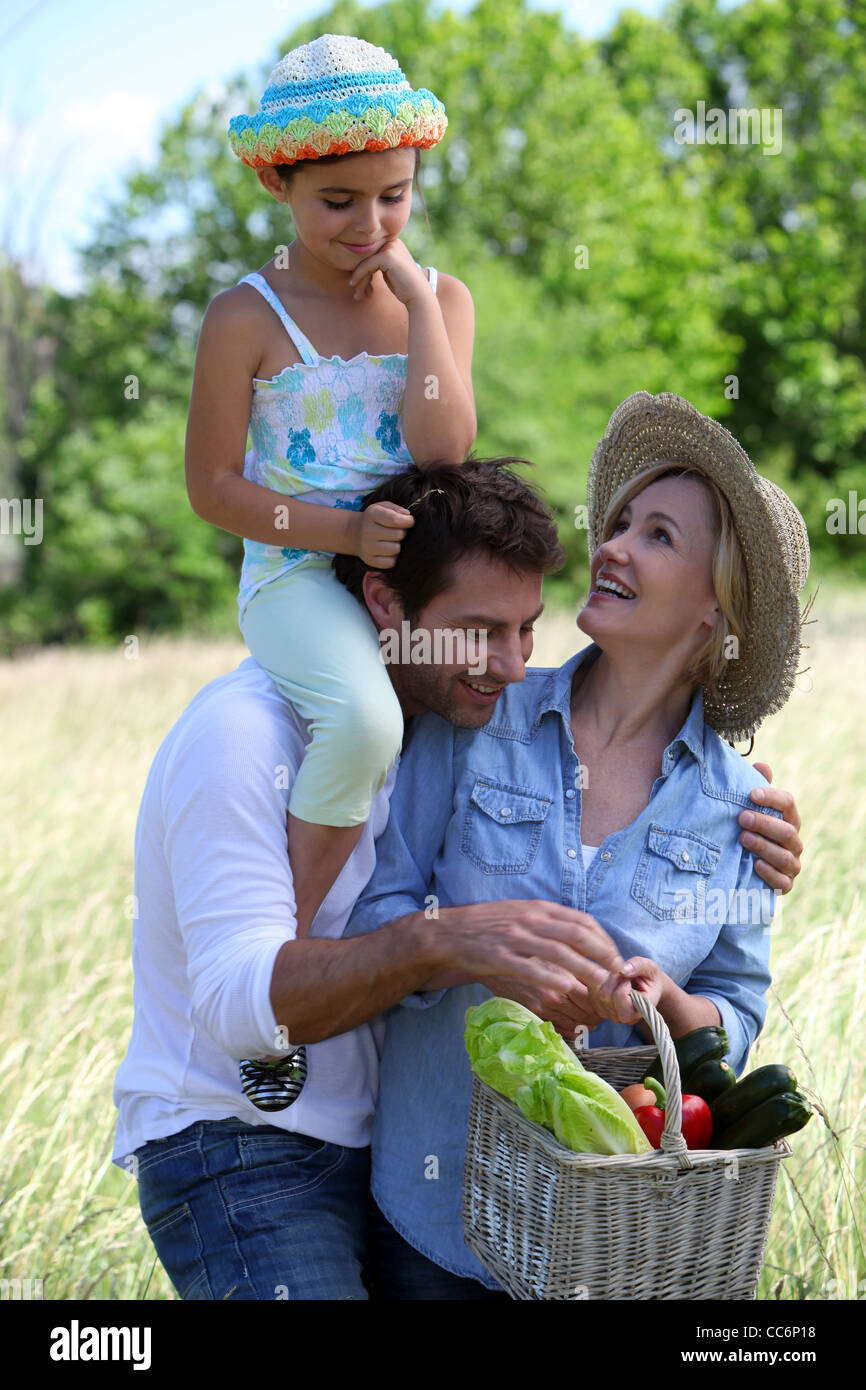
[321,649]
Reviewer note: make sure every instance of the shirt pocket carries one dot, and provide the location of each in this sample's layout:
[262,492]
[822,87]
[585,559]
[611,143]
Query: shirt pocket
[673,872]
[502,827]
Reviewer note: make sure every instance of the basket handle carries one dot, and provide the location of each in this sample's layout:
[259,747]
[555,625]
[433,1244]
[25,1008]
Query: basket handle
[672,1140]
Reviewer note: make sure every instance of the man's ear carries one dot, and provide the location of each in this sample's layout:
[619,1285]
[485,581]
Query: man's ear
[383,603]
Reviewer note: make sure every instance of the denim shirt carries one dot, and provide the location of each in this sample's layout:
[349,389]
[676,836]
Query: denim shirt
[493,813]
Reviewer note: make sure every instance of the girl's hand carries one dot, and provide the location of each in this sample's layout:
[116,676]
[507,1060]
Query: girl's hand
[403,276]
[381,528]
[611,999]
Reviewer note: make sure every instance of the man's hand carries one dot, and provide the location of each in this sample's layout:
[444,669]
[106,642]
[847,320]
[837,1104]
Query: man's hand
[535,946]
[775,843]
[567,1012]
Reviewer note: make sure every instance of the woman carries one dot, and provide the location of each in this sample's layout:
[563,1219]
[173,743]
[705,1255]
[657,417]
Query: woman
[682,620]
[606,785]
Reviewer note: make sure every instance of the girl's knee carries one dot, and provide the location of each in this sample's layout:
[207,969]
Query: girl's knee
[371,729]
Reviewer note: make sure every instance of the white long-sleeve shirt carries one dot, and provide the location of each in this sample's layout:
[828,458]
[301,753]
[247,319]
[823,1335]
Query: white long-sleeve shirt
[214,903]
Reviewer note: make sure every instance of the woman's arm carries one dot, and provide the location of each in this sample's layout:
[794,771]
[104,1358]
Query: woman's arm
[216,435]
[729,987]
[681,1010]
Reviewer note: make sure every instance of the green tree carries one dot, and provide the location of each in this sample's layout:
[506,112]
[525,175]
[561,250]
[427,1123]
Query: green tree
[603,255]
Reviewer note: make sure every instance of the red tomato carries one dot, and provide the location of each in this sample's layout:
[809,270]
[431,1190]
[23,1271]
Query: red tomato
[635,1096]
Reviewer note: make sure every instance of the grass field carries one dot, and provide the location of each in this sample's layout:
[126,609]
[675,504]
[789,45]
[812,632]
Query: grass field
[79,730]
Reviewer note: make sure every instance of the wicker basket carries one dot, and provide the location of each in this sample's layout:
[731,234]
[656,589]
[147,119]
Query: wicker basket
[549,1223]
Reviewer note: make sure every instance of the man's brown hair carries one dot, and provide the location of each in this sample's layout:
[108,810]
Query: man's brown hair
[479,506]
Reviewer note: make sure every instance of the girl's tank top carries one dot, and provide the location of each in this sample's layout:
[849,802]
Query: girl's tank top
[325,430]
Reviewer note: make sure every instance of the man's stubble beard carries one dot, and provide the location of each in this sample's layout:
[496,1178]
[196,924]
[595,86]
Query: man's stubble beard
[430,687]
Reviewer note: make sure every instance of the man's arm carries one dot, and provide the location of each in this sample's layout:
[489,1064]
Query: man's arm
[225,843]
[391,949]
[321,988]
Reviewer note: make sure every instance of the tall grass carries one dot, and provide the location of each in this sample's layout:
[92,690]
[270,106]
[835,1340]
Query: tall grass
[79,731]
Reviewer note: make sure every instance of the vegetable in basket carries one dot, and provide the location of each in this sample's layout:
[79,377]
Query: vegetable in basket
[784,1113]
[763,1107]
[697,1122]
[704,1044]
[711,1079]
[525,1059]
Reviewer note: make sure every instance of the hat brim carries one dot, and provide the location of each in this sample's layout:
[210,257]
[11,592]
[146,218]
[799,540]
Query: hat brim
[648,429]
[284,137]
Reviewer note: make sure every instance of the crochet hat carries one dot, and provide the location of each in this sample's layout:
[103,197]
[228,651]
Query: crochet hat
[647,429]
[336,95]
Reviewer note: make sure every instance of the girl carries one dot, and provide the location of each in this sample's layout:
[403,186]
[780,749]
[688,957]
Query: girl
[338,139]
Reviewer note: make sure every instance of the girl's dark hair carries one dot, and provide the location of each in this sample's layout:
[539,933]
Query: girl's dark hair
[481,506]
[286,171]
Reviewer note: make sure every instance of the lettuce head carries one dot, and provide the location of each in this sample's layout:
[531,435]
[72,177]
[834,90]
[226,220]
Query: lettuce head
[509,1046]
[525,1059]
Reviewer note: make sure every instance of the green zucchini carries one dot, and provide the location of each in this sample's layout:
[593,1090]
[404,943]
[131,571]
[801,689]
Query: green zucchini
[784,1113]
[701,1045]
[752,1090]
[709,1080]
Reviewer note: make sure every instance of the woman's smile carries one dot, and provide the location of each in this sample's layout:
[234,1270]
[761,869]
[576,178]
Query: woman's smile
[609,588]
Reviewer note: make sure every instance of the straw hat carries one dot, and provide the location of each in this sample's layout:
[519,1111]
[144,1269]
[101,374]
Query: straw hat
[336,95]
[647,429]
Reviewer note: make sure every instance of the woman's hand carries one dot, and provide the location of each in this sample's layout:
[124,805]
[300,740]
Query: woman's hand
[402,274]
[381,528]
[612,999]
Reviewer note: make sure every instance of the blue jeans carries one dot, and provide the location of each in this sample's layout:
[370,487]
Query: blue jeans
[255,1212]
[238,1211]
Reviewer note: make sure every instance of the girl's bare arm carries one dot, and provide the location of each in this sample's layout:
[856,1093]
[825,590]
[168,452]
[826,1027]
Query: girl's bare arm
[216,435]
[439,421]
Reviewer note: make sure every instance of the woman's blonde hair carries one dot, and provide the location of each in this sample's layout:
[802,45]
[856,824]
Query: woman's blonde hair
[730,579]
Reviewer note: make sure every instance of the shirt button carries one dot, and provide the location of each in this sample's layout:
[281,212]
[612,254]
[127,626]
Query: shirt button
[506,811]
[685,856]
[572,854]
[570,793]
[605,854]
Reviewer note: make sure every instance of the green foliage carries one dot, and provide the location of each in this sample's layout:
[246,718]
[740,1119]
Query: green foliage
[122,551]
[603,257]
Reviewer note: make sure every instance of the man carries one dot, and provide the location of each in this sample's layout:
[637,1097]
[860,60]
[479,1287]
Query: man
[237,1206]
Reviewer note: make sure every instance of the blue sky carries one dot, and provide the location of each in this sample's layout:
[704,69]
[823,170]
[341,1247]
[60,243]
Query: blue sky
[87,84]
